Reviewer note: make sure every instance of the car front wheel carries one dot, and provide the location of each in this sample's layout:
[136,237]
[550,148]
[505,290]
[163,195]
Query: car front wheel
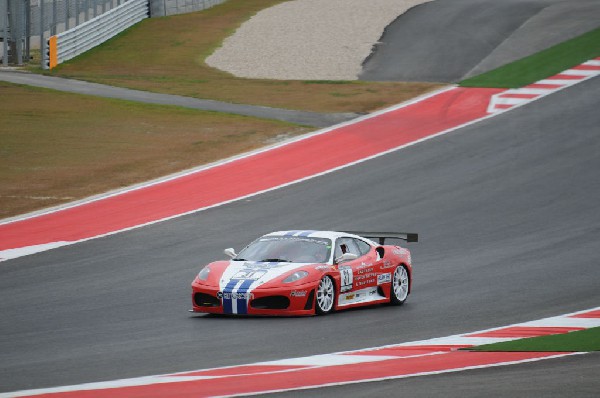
[325,296]
[400,285]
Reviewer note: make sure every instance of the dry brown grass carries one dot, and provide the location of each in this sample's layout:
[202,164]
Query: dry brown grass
[167,55]
[57,147]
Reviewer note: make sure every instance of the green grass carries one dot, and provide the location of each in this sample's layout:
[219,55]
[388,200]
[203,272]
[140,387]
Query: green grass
[580,341]
[540,65]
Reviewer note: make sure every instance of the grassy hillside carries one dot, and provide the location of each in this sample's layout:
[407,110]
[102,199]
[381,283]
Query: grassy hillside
[57,147]
[167,55]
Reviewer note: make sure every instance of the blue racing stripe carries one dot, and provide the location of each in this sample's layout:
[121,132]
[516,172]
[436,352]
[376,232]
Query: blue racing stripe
[305,233]
[242,304]
[291,233]
[227,303]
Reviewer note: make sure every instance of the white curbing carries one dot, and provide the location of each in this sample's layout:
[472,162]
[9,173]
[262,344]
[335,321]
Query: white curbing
[508,99]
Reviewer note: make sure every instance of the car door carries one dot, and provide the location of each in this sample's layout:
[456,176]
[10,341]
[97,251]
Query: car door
[359,273]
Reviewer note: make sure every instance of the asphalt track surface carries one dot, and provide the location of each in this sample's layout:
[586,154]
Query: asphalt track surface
[450,40]
[509,214]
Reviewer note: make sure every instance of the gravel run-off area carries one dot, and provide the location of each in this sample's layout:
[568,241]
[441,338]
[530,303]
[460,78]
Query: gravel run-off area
[308,39]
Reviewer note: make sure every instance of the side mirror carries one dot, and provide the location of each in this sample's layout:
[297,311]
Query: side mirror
[230,252]
[346,257]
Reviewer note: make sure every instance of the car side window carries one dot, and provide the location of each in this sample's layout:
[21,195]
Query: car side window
[346,245]
[363,247]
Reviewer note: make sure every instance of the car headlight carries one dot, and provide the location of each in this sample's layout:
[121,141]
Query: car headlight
[203,274]
[295,276]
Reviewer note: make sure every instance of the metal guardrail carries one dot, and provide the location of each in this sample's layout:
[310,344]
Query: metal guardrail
[34,21]
[89,34]
[161,8]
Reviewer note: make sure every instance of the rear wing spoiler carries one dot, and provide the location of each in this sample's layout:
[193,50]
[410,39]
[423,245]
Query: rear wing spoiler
[382,236]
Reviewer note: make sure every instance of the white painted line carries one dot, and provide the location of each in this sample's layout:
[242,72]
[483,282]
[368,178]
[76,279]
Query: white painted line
[24,251]
[328,360]
[580,72]
[564,322]
[536,91]
[593,62]
[559,82]
[460,340]
[510,100]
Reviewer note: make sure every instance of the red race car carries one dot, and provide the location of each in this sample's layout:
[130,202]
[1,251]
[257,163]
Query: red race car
[306,273]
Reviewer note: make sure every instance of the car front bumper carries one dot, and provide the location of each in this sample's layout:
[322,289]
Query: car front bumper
[294,300]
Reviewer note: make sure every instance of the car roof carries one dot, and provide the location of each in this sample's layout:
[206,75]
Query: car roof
[315,234]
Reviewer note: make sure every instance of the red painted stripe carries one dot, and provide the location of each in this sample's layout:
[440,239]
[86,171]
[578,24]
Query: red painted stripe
[591,314]
[504,106]
[311,377]
[587,67]
[253,174]
[518,95]
[567,77]
[544,86]
[525,331]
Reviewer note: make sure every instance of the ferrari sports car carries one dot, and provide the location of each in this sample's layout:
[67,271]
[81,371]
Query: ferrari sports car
[306,273]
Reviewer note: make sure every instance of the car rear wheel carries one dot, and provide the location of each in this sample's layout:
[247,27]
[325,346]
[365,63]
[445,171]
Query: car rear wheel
[325,296]
[400,286]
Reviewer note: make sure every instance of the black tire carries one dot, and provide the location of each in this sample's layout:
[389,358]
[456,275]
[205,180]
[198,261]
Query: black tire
[400,286]
[325,296]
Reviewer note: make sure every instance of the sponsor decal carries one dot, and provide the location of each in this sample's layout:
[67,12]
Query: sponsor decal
[235,296]
[384,278]
[360,296]
[387,264]
[365,282]
[399,251]
[402,252]
[370,275]
[298,293]
[323,267]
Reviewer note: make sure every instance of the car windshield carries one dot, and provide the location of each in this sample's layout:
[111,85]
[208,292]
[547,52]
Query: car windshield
[291,249]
